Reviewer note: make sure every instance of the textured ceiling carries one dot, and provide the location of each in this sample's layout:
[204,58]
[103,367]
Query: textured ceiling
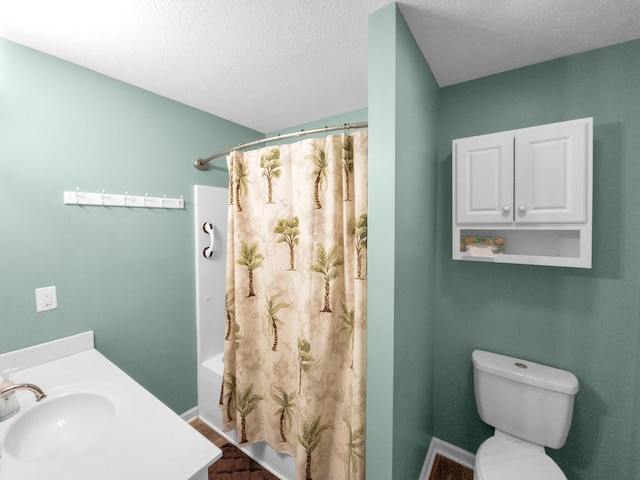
[271,64]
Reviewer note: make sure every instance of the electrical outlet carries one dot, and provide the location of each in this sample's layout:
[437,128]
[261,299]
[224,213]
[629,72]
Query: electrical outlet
[46,299]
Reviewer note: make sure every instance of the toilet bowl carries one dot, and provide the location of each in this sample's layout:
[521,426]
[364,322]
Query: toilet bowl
[501,459]
[531,407]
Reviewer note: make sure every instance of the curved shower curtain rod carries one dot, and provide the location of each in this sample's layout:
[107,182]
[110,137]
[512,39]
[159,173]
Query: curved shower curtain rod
[201,163]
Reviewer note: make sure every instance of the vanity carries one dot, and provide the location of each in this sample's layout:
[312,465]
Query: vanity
[95,422]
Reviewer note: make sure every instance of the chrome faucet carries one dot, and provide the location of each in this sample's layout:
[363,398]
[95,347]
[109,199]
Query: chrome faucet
[37,391]
[9,405]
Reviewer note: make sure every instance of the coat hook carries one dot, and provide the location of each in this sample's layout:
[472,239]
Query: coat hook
[102,196]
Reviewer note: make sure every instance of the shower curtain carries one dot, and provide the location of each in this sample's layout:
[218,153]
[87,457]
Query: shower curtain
[294,368]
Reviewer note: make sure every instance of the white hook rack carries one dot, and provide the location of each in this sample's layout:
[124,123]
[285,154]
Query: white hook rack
[111,200]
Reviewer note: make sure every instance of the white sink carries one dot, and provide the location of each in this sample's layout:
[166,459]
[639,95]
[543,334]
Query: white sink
[64,423]
[95,423]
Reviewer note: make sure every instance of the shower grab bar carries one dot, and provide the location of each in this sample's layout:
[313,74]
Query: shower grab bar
[209,251]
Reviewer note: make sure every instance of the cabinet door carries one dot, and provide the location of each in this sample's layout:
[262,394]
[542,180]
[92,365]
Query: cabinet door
[551,174]
[483,179]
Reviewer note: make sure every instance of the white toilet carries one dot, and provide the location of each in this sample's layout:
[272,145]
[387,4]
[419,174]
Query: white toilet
[530,406]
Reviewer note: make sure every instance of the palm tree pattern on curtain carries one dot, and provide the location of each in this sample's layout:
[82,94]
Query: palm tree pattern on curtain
[295,313]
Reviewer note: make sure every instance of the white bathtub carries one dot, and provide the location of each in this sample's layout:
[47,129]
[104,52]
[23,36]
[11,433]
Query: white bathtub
[215,364]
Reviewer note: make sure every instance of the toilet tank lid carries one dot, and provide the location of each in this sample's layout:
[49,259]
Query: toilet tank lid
[527,372]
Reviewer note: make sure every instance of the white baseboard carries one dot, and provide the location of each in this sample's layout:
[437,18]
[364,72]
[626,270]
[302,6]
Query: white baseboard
[189,414]
[448,450]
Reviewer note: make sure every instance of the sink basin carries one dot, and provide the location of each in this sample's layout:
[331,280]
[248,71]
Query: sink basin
[60,425]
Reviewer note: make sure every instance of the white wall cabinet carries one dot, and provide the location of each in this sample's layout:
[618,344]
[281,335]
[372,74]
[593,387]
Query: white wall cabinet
[524,196]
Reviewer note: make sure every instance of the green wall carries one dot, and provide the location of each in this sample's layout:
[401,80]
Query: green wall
[582,321]
[403,103]
[127,274]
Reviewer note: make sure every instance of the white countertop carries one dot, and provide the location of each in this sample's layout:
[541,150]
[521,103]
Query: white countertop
[146,441]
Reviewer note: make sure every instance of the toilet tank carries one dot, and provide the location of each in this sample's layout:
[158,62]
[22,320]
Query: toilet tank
[527,400]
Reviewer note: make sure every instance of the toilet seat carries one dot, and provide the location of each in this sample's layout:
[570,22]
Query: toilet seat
[502,459]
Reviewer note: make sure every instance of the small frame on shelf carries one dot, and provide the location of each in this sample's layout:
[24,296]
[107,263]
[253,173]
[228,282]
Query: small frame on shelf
[474,245]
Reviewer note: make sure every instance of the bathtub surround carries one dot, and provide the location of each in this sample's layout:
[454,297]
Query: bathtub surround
[210,207]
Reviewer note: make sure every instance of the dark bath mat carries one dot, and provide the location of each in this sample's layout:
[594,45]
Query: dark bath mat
[235,465]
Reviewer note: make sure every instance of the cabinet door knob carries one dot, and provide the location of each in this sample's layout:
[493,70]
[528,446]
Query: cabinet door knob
[522,208]
[506,208]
